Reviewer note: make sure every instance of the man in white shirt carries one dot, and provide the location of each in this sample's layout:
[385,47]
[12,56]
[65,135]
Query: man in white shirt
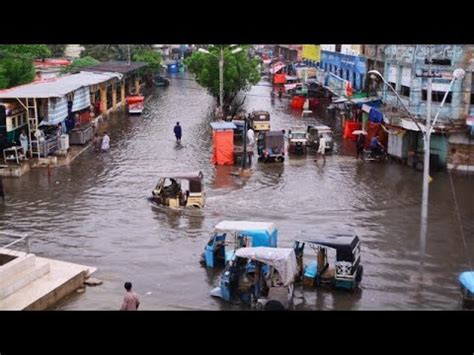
[321,148]
[250,137]
[105,142]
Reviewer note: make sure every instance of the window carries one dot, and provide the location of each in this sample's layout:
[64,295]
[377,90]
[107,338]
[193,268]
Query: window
[338,48]
[436,96]
[393,85]
[405,91]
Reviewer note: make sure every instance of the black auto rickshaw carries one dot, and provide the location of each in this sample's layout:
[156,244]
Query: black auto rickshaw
[347,271]
[271,146]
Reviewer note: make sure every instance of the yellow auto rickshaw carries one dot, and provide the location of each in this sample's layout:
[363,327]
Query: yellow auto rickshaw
[179,190]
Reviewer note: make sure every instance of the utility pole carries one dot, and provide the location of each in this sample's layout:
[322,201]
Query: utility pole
[426,162]
[221,81]
[129,59]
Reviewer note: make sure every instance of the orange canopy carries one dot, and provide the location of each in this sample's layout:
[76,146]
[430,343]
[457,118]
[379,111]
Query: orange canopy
[223,147]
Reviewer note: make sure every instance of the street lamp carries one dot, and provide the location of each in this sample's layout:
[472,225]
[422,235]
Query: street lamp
[458,74]
[221,71]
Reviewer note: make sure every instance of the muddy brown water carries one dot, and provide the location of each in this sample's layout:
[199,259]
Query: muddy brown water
[95,212]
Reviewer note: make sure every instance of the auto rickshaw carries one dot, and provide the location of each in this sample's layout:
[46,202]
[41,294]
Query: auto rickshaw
[347,271]
[297,140]
[466,282]
[271,146]
[160,80]
[229,236]
[170,192]
[314,131]
[260,121]
[255,276]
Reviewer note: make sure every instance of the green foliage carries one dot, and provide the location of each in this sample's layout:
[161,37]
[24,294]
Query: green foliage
[106,52]
[79,63]
[25,51]
[17,63]
[148,56]
[240,71]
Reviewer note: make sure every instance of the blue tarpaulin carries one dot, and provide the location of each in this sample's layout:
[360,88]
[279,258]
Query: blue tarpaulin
[375,116]
[82,99]
[57,110]
[467,280]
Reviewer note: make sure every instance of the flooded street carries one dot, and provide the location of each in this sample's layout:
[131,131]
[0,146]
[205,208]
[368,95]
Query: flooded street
[95,212]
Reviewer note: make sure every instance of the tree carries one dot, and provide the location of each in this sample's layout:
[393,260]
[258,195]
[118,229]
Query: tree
[17,63]
[152,58]
[149,56]
[57,50]
[106,52]
[79,63]
[240,72]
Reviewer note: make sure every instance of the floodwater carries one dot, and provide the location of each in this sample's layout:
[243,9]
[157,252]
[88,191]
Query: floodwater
[95,212]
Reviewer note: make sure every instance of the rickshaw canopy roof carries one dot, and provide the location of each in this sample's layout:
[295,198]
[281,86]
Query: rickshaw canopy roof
[344,244]
[335,241]
[195,175]
[298,129]
[230,226]
[282,259]
[321,127]
[257,114]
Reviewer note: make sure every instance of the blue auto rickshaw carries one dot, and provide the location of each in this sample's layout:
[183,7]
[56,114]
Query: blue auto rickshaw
[466,281]
[347,271]
[229,236]
[256,275]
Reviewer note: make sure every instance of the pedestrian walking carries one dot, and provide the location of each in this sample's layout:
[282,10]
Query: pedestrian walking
[105,145]
[177,132]
[321,148]
[130,300]
[360,143]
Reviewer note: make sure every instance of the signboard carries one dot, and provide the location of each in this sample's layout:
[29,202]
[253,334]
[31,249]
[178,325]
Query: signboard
[312,52]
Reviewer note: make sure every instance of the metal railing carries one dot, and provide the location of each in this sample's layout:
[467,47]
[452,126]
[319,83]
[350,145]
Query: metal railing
[22,237]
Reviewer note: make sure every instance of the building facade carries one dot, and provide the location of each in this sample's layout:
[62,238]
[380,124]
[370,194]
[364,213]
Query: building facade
[402,66]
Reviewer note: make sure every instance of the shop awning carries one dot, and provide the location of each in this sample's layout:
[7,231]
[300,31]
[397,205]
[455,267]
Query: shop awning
[57,87]
[411,126]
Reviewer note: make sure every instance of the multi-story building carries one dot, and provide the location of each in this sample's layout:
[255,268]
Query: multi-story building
[402,66]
